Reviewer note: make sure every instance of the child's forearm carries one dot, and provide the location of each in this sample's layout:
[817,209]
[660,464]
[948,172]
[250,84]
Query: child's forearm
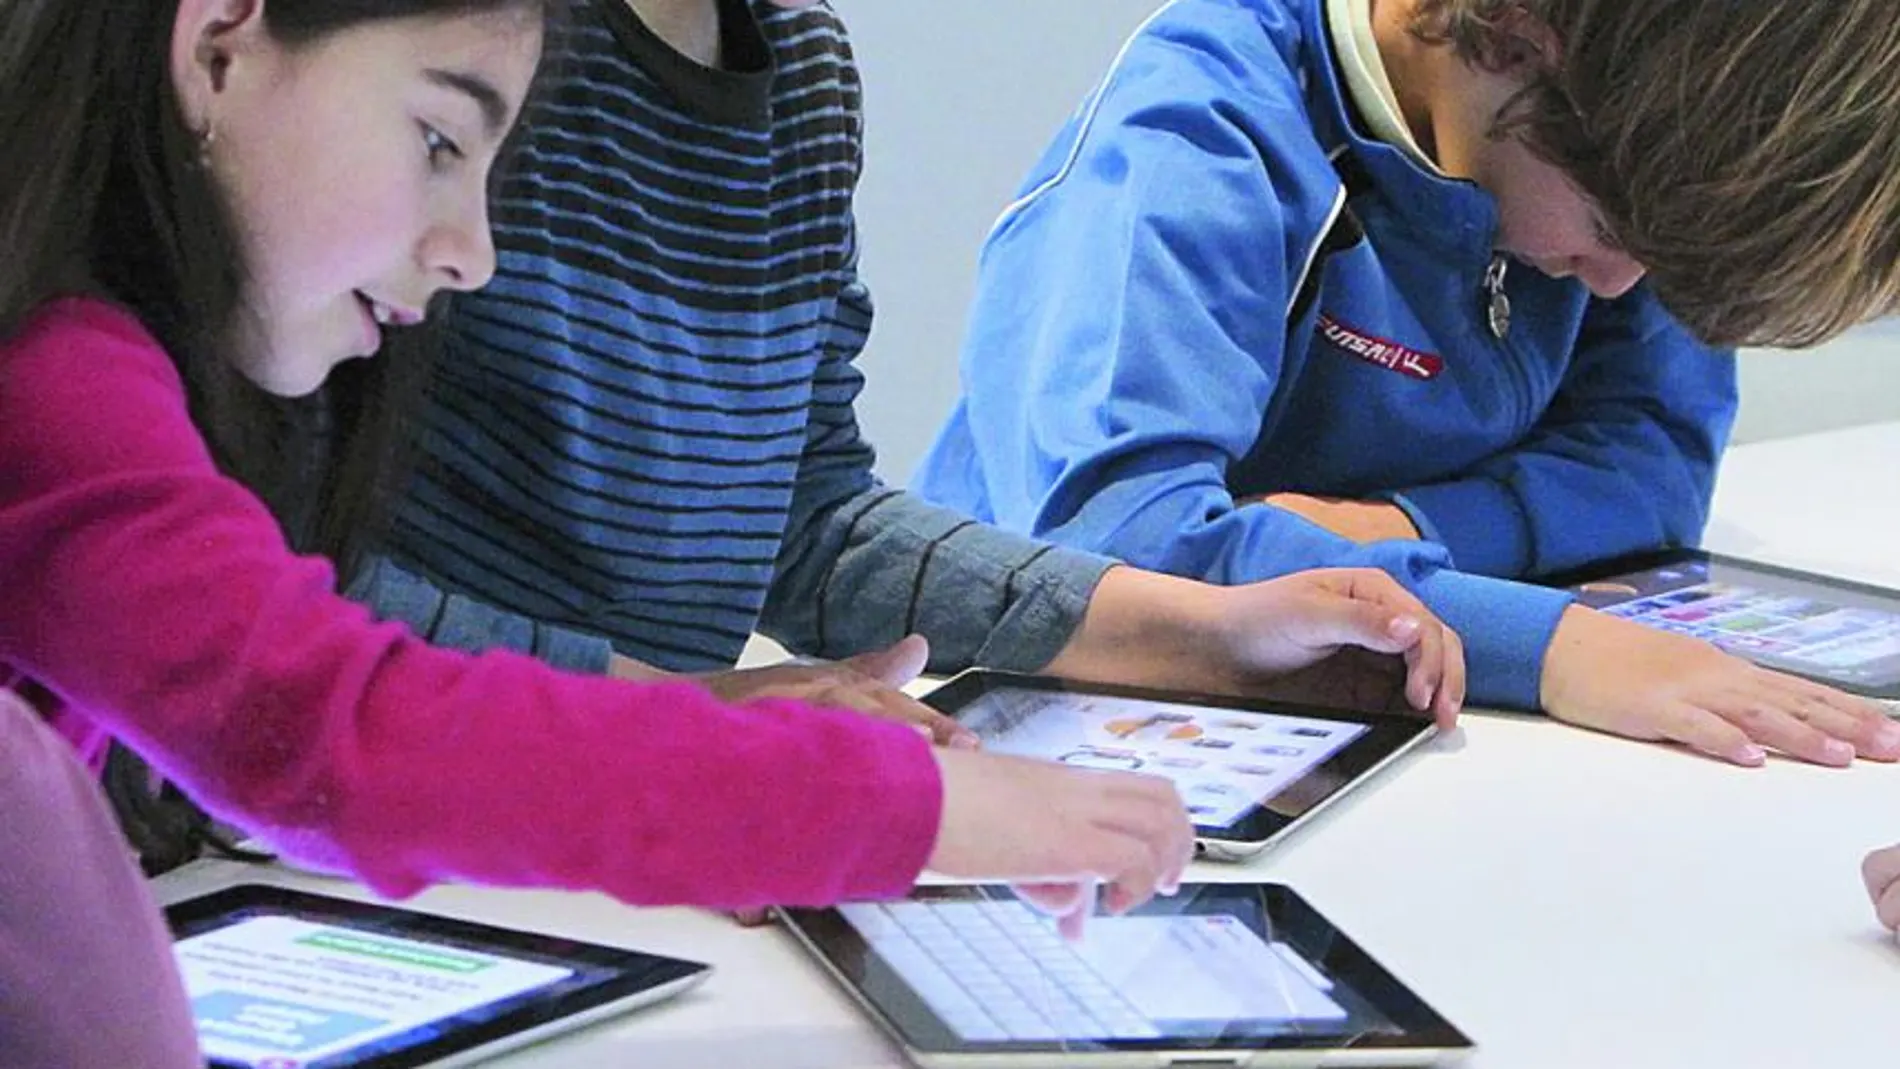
[1140,627]
[1361,521]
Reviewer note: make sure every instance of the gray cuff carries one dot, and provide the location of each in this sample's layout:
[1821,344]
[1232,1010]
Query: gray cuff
[453,621]
[1040,623]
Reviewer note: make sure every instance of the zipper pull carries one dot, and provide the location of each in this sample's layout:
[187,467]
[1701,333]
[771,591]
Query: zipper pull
[1497,303]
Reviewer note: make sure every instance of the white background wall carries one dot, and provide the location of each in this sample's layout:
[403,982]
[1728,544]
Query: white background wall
[962,95]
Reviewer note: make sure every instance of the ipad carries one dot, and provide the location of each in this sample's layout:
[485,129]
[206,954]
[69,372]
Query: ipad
[1220,974]
[281,979]
[1248,769]
[1833,631]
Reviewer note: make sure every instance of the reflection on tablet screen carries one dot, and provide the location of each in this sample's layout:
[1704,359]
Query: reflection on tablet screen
[1217,974]
[280,978]
[1225,762]
[1778,621]
[281,988]
[1011,977]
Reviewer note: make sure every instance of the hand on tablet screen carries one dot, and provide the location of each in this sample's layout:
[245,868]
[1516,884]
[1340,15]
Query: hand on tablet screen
[1612,675]
[1287,624]
[867,683]
[1882,873]
[1056,832]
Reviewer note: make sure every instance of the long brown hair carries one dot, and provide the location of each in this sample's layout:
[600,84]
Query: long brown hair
[1746,152]
[103,193]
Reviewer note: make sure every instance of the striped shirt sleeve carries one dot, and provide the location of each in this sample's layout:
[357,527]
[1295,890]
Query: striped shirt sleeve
[864,564]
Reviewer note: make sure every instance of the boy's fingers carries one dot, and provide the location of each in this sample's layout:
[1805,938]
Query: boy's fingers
[1881,870]
[896,664]
[1369,624]
[941,729]
[1370,584]
[1424,668]
[1848,718]
[1766,722]
[1446,697]
[1702,730]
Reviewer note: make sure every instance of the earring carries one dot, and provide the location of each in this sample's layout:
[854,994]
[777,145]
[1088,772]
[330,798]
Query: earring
[207,137]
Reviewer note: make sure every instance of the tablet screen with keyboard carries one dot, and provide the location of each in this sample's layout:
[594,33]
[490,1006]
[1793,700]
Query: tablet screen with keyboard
[1248,769]
[1220,967]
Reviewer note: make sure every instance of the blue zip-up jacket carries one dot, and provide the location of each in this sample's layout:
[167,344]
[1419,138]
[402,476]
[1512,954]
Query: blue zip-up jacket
[1186,310]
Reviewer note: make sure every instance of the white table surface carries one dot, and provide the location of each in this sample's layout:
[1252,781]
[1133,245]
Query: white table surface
[1825,502]
[1569,900]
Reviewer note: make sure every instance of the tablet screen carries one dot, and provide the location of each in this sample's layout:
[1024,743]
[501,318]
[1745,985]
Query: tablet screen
[1221,966]
[1829,632]
[286,979]
[1225,762]
[1248,769]
[1128,978]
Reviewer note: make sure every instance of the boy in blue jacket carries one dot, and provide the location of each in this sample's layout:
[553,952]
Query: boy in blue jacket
[1305,277]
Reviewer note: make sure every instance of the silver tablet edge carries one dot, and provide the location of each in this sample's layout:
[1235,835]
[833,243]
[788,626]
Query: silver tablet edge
[574,1022]
[1386,1058]
[1234,850]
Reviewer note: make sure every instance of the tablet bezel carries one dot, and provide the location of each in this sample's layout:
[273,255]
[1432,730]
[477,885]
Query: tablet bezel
[1427,1036]
[1387,737]
[1629,564]
[639,977]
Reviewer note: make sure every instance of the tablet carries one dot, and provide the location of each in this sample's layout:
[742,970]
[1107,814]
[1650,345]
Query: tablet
[1220,974]
[1248,769]
[281,979]
[1833,631]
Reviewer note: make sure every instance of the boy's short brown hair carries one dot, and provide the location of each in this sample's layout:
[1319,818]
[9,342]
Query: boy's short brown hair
[1746,152]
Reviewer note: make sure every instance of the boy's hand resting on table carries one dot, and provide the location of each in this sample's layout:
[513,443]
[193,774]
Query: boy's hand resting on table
[1158,630]
[1283,625]
[867,683]
[1612,675]
[1881,870]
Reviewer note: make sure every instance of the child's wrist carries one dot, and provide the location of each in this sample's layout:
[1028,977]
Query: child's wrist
[1145,627]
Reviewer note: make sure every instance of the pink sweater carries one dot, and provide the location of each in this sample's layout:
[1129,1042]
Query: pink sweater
[86,970]
[158,600]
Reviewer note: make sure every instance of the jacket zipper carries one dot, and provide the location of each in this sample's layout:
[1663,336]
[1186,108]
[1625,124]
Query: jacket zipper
[1496,314]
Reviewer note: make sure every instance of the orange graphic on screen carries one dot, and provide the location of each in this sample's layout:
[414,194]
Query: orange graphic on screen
[1181,728]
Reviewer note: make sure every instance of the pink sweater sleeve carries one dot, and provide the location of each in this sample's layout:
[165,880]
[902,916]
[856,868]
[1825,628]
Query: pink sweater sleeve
[160,597]
[86,970]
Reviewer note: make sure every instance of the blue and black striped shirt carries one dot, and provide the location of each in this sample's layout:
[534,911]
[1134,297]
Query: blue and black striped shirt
[643,428]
